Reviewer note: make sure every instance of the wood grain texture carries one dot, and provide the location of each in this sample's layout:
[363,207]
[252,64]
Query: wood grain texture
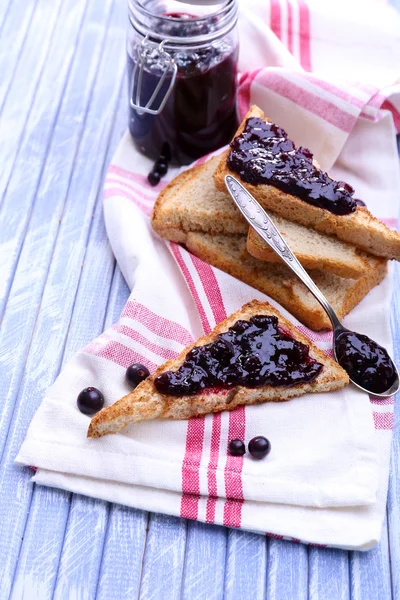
[62,113]
[205,548]
[287,574]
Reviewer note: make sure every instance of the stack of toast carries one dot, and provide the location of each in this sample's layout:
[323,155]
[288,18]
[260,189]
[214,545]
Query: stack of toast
[346,255]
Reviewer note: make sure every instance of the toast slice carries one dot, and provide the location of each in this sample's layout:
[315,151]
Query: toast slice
[359,228]
[229,254]
[314,250]
[145,402]
[194,204]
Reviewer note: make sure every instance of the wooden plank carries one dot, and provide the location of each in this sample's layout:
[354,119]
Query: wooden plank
[44,360]
[21,93]
[13,30]
[370,572]
[246,566]
[123,552]
[393,506]
[287,575]
[18,200]
[205,557]
[328,574]
[163,558]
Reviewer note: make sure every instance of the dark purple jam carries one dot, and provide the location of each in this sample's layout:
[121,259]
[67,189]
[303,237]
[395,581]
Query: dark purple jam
[200,113]
[251,353]
[367,363]
[262,153]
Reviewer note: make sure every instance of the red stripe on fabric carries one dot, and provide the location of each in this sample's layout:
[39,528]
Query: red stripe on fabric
[390,222]
[119,182]
[329,353]
[190,468]
[316,545]
[213,293]
[381,401]
[335,91]
[233,471]
[315,336]
[377,100]
[305,28]
[320,107]
[383,420]
[211,288]
[274,535]
[118,192]
[212,468]
[186,273]
[122,355]
[244,93]
[290,25]
[275,18]
[170,330]
[138,337]
[194,442]
[138,177]
[396,114]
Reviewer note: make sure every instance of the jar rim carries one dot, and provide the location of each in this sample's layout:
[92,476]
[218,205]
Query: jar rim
[228,11]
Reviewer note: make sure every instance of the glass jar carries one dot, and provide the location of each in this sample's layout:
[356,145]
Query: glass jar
[182,75]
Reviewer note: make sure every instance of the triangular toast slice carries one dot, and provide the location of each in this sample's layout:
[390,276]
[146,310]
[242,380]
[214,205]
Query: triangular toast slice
[193,204]
[359,228]
[146,403]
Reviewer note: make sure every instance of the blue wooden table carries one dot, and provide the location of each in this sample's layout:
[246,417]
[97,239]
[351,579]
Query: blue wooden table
[62,113]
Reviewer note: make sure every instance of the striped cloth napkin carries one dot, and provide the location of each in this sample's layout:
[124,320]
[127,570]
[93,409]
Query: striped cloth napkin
[325,481]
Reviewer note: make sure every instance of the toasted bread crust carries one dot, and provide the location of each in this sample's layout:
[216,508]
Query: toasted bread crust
[145,402]
[278,282]
[359,228]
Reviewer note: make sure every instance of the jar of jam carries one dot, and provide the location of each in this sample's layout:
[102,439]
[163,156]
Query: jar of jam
[182,75]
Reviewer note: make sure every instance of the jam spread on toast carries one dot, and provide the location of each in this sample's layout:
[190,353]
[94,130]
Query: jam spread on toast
[263,154]
[251,353]
[366,362]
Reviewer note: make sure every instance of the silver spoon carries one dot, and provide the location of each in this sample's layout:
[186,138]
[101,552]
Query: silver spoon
[262,224]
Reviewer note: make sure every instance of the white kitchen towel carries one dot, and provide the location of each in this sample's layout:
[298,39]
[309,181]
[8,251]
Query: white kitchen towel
[325,480]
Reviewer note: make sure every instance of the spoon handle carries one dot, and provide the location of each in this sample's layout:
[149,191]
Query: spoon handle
[259,220]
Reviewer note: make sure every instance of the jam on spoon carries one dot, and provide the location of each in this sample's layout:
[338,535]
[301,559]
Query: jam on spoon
[263,154]
[367,363]
[251,353]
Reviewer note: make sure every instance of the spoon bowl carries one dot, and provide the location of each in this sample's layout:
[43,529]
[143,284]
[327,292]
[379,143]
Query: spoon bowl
[369,360]
[393,384]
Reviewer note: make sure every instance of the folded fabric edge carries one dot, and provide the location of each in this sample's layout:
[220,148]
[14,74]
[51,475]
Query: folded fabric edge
[169,503]
[357,488]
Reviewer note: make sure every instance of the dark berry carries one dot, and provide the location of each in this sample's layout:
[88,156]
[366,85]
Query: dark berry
[136,373]
[90,401]
[162,167]
[359,202]
[165,152]
[259,447]
[236,448]
[154,178]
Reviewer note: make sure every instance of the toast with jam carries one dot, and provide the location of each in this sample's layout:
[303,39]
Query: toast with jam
[287,181]
[253,356]
[191,203]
